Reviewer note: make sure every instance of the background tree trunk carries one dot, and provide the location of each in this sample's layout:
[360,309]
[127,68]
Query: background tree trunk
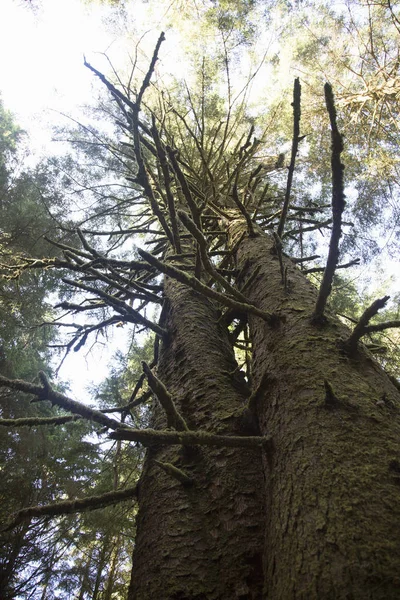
[203,541]
[333,483]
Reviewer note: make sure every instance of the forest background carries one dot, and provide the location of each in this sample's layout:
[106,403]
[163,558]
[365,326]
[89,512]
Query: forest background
[234,62]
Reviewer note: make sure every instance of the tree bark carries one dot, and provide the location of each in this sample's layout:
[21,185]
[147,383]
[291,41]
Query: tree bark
[332,493]
[203,541]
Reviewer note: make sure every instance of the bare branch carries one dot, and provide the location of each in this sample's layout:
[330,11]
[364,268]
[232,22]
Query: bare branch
[242,208]
[67,507]
[174,418]
[362,326]
[295,146]
[46,392]
[338,205]
[199,237]
[352,263]
[37,421]
[205,290]
[150,437]
[129,313]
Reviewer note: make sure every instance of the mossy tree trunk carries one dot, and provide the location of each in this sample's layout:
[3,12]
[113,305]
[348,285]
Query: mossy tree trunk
[332,494]
[202,541]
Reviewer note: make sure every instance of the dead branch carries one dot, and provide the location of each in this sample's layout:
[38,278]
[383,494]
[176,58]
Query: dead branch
[295,146]
[195,284]
[362,328]
[178,474]
[37,421]
[67,507]
[46,392]
[242,208]
[352,263]
[167,184]
[150,437]
[199,237]
[174,418]
[120,306]
[338,205]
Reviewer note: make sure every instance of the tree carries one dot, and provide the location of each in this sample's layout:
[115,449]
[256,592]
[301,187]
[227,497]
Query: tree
[40,464]
[280,480]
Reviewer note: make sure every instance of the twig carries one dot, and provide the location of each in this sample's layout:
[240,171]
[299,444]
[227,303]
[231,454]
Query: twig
[338,205]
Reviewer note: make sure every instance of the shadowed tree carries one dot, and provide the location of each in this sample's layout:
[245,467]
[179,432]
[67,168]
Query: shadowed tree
[274,479]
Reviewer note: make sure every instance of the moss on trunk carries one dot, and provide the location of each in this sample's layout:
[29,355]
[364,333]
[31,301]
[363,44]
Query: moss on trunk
[202,541]
[332,484]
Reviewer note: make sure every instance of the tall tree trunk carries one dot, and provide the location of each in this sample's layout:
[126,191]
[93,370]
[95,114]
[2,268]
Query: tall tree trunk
[204,541]
[333,482]
[112,570]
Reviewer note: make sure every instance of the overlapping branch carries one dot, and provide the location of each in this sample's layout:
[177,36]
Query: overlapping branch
[195,284]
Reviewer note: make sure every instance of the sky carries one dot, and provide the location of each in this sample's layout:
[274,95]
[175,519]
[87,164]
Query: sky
[43,81]
[42,71]
[42,74]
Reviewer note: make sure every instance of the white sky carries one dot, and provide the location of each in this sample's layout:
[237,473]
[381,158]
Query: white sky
[42,72]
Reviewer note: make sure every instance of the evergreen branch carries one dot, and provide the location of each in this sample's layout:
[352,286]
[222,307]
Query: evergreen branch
[67,507]
[295,146]
[338,205]
[170,469]
[174,418]
[36,421]
[196,285]
[46,392]
[149,437]
[362,326]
